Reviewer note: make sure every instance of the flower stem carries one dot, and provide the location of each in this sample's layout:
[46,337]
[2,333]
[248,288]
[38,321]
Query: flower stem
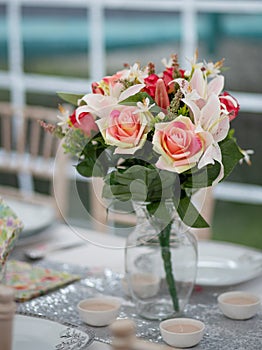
[164,239]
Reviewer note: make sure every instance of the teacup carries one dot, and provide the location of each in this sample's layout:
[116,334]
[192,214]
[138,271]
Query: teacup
[182,332]
[239,305]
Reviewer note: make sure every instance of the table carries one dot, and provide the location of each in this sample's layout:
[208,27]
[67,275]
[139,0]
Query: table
[105,251]
[86,255]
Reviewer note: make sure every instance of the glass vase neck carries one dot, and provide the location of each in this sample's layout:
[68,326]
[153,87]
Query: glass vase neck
[143,215]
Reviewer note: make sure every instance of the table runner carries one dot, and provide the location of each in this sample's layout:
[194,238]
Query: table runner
[32,281]
[221,332]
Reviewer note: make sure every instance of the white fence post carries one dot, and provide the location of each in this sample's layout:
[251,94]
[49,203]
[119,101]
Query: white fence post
[97,40]
[189,40]
[15,59]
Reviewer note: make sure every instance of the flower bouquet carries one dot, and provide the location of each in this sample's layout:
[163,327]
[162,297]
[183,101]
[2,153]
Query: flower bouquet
[155,138]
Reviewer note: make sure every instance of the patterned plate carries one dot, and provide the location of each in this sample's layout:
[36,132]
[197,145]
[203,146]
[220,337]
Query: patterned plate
[31,333]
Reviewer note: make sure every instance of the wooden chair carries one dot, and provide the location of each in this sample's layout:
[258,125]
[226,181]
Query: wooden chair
[30,152]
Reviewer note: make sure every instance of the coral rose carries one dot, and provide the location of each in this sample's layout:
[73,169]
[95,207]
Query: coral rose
[125,128]
[178,143]
[85,122]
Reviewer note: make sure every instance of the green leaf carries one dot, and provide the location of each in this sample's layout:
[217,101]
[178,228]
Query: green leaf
[140,183]
[183,111]
[85,168]
[231,154]
[69,97]
[160,211]
[120,193]
[92,165]
[199,178]
[189,214]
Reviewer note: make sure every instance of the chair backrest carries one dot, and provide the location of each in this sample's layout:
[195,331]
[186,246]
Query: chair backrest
[30,152]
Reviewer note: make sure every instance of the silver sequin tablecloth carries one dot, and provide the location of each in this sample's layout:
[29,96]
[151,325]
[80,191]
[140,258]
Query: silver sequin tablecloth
[221,332]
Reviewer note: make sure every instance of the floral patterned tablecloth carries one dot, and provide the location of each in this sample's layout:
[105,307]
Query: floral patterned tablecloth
[30,281]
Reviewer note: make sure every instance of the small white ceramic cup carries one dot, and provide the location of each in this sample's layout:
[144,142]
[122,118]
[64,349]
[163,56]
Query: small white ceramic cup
[182,332]
[100,311]
[239,305]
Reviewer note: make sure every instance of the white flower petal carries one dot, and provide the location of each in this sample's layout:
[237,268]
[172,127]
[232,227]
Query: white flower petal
[211,154]
[210,113]
[222,129]
[199,83]
[132,90]
[194,108]
[131,150]
[216,85]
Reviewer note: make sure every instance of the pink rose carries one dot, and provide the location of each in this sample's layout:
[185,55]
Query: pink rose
[124,128]
[86,122]
[229,103]
[178,143]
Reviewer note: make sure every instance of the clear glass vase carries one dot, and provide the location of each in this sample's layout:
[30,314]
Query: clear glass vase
[161,264]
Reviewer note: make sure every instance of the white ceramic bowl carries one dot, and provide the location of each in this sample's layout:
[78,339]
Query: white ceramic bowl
[186,332]
[100,311]
[239,305]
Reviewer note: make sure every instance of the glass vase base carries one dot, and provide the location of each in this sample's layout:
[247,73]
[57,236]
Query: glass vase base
[159,310]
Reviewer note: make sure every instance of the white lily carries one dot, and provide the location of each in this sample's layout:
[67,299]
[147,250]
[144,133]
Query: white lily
[144,106]
[209,118]
[212,69]
[63,116]
[247,153]
[102,105]
[198,88]
[213,127]
[135,74]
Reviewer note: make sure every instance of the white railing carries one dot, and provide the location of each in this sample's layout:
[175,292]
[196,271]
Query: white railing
[19,82]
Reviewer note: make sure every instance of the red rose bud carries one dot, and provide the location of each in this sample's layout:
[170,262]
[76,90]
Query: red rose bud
[86,122]
[230,104]
[161,97]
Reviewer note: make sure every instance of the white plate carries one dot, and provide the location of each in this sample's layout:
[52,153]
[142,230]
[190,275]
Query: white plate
[223,264]
[32,333]
[35,217]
